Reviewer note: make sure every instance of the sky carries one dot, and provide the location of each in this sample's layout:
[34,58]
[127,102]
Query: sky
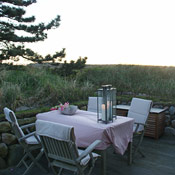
[110,31]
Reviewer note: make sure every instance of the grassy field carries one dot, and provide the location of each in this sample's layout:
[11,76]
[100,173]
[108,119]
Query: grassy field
[150,81]
[39,86]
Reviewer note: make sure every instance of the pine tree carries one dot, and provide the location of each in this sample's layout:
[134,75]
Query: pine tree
[13,21]
[71,69]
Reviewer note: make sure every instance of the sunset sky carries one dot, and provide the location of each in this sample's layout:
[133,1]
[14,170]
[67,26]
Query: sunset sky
[110,31]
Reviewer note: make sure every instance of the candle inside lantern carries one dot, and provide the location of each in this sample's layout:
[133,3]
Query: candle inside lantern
[103,112]
[109,110]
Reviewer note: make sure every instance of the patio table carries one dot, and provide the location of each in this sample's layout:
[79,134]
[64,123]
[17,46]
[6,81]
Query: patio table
[118,133]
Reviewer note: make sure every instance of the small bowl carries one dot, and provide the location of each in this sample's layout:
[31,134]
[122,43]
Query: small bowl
[70,110]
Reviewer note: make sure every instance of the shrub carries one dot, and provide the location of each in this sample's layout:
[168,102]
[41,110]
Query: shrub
[150,80]
[10,95]
[39,86]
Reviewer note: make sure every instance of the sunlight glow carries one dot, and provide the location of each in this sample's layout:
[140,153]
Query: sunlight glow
[110,31]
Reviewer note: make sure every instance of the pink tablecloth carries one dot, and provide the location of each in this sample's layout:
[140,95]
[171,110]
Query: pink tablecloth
[87,130]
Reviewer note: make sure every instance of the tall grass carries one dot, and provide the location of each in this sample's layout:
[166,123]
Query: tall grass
[150,80]
[40,86]
[10,95]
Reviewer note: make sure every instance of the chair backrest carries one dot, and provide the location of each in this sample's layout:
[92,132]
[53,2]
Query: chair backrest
[11,117]
[139,110]
[8,116]
[58,141]
[92,104]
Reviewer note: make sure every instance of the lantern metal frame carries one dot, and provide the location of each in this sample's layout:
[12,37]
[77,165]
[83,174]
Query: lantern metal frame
[106,102]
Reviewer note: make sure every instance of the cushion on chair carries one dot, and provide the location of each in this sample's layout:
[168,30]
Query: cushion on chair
[7,115]
[140,128]
[50,129]
[139,118]
[139,107]
[11,117]
[139,110]
[32,140]
[85,160]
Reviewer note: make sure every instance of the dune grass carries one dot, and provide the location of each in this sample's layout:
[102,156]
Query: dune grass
[151,81]
[39,86]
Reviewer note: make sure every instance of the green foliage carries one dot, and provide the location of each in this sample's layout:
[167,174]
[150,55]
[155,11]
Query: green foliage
[39,87]
[12,22]
[72,68]
[149,80]
[55,90]
[10,95]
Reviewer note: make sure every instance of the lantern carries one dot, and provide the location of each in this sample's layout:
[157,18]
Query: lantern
[106,100]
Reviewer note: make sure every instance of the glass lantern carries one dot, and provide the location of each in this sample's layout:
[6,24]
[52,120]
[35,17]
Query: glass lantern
[106,100]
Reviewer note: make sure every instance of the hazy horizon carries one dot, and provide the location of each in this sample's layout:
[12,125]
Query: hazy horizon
[140,32]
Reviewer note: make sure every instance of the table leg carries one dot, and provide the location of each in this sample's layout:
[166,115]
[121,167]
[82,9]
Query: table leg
[130,153]
[103,161]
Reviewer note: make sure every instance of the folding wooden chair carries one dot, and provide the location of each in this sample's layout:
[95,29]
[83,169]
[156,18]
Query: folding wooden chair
[58,141]
[139,110]
[30,142]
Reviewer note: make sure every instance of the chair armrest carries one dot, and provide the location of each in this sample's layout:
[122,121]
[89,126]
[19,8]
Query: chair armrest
[138,124]
[27,126]
[88,150]
[27,136]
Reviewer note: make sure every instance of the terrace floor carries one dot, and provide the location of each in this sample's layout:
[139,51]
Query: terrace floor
[159,160]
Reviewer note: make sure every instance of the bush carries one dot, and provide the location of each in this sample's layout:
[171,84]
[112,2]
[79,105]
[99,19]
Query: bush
[150,80]
[10,95]
[39,86]
[59,90]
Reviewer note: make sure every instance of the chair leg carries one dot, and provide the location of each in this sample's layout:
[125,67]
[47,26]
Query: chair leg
[22,161]
[31,165]
[80,172]
[130,153]
[143,155]
[92,164]
[137,149]
[28,167]
[90,170]
[35,161]
[55,171]
[60,171]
